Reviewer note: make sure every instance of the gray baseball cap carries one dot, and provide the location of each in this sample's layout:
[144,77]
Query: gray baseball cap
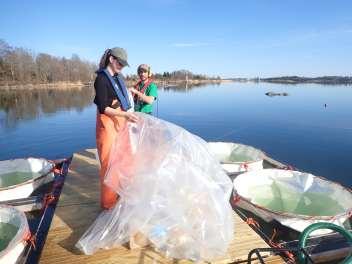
[120,54]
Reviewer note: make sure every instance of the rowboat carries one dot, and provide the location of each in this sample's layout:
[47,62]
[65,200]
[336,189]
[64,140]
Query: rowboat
[324,246]
[235,158]
[20,177]
[38,209]
[295,199]
[14,231]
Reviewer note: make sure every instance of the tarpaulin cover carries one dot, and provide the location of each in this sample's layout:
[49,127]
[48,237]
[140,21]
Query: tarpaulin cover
[172,190]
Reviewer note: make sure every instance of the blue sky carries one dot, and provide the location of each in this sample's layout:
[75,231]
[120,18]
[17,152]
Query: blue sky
[227,38]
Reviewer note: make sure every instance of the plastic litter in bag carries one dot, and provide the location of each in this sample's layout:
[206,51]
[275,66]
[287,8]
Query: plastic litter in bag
[172,191]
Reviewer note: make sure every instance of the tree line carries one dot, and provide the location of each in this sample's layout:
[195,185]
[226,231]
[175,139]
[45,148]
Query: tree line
[176,76]
[320,80]
[22,66]
[19,66]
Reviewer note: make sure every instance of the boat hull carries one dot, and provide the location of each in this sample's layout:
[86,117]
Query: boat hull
[41,167]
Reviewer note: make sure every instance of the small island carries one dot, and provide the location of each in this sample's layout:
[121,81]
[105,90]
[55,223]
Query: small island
[320,80]
[271,94]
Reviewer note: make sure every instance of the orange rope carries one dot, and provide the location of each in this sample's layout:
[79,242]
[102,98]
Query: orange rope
[252,222]
[57,170]
[236,199]
[51,198]
[273,235]
[278,245]
[48,199]
[31,239]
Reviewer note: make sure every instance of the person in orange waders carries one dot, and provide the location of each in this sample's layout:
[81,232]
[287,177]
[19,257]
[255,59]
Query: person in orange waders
[113,111]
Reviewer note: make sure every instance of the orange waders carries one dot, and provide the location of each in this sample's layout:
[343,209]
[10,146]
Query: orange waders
[106,132]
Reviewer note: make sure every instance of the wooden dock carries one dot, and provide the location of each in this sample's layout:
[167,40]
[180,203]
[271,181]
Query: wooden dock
[79,206]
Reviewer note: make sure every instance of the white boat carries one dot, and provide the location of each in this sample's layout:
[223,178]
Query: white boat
[235,158]
[293,198]
[14,231]
[20,177]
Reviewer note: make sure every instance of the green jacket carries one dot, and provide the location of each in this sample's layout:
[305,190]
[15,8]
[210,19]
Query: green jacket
[140,106]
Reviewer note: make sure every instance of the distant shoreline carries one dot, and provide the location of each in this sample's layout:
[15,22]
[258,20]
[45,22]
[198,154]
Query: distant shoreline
[325,80]
[328,80]
[319,80]
[189,82]
[129,83]
[58,85]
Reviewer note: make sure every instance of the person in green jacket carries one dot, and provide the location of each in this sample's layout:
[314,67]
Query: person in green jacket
[145,92]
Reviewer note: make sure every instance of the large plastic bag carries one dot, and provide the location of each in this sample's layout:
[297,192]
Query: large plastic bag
[172,190]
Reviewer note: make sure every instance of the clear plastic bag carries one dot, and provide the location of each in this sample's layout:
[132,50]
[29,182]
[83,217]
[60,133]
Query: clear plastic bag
[172,190]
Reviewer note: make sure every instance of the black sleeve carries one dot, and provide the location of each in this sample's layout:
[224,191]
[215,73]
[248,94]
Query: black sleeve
[101,87]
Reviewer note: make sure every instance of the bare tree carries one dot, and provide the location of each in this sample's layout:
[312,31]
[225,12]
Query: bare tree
[21,66]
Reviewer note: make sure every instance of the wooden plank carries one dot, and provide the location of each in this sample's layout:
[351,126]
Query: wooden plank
[78,208]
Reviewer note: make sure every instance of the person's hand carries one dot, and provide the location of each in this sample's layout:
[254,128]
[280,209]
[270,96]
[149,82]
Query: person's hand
[133,91]
[131,117]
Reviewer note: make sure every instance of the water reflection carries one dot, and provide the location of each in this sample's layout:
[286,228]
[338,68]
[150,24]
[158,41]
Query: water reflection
[18,105]
[185,86]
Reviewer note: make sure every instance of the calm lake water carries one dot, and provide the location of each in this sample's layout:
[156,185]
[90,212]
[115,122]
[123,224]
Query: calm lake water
[297,129]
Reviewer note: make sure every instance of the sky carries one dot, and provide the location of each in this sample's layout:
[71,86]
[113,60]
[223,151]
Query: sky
[233,38]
